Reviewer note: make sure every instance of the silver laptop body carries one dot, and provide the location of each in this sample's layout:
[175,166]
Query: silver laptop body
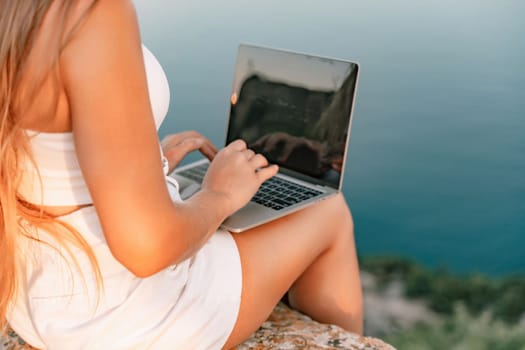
[296,110]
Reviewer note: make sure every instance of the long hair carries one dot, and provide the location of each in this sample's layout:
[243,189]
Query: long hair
[20,22]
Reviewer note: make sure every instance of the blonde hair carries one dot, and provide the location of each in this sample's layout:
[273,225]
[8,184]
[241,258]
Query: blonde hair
[19,24]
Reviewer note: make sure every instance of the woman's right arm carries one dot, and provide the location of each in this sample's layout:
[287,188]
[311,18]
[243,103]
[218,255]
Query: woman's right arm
[118,150]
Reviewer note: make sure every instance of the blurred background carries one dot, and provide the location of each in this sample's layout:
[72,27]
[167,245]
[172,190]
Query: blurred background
[435,173]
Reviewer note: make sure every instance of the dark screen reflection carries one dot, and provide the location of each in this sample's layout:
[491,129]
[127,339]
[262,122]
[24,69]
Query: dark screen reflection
[298,127]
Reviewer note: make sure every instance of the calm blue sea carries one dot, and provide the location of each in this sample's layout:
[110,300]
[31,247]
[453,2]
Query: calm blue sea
[436,168]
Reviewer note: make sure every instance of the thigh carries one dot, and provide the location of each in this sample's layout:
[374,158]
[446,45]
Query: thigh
[274,255]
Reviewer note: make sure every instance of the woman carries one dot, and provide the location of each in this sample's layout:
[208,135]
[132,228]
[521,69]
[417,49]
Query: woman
[98,251]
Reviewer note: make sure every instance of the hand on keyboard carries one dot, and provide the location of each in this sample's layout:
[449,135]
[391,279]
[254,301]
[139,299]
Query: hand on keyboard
[236,173]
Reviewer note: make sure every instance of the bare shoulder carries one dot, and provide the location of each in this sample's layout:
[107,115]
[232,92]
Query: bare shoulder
[103,20]
[109,9]
[107,35]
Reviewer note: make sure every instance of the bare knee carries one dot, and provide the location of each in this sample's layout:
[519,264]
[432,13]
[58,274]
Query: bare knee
[340,219]
[346,215]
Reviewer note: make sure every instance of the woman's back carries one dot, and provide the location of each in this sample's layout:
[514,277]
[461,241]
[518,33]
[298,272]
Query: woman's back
[59,303]
[55,154]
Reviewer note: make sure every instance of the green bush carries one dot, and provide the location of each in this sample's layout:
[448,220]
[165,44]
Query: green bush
[509,299]
[387,268]
[461,331]
[441,289]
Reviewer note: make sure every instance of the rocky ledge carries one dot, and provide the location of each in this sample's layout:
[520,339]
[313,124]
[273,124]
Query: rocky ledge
[285,329]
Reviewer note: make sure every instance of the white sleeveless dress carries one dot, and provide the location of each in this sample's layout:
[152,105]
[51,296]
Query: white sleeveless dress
[191,305]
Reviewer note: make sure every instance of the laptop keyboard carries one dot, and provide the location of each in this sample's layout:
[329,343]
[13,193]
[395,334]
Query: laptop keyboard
[275,193]
[195,173]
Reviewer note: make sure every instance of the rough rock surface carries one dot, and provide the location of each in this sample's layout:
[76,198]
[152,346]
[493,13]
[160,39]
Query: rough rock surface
[285,329]
[289,329]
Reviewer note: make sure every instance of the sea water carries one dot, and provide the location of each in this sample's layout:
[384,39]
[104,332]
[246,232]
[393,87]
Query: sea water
[436,163]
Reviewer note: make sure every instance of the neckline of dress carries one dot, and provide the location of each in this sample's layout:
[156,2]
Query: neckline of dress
[48,135]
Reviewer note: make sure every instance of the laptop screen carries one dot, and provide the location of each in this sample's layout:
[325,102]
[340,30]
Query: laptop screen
[294,109]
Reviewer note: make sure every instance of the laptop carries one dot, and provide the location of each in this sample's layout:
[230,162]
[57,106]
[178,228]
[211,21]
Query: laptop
[295,109]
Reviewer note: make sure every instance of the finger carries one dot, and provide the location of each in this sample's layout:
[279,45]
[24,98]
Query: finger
[192,134]
[265,173]
[176,153]
[248,153]
[169,141]
[259,161]
[213,147]
[237,145]
[191,144]
[208,150]
[174,139]
[186,144]
[208,144]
